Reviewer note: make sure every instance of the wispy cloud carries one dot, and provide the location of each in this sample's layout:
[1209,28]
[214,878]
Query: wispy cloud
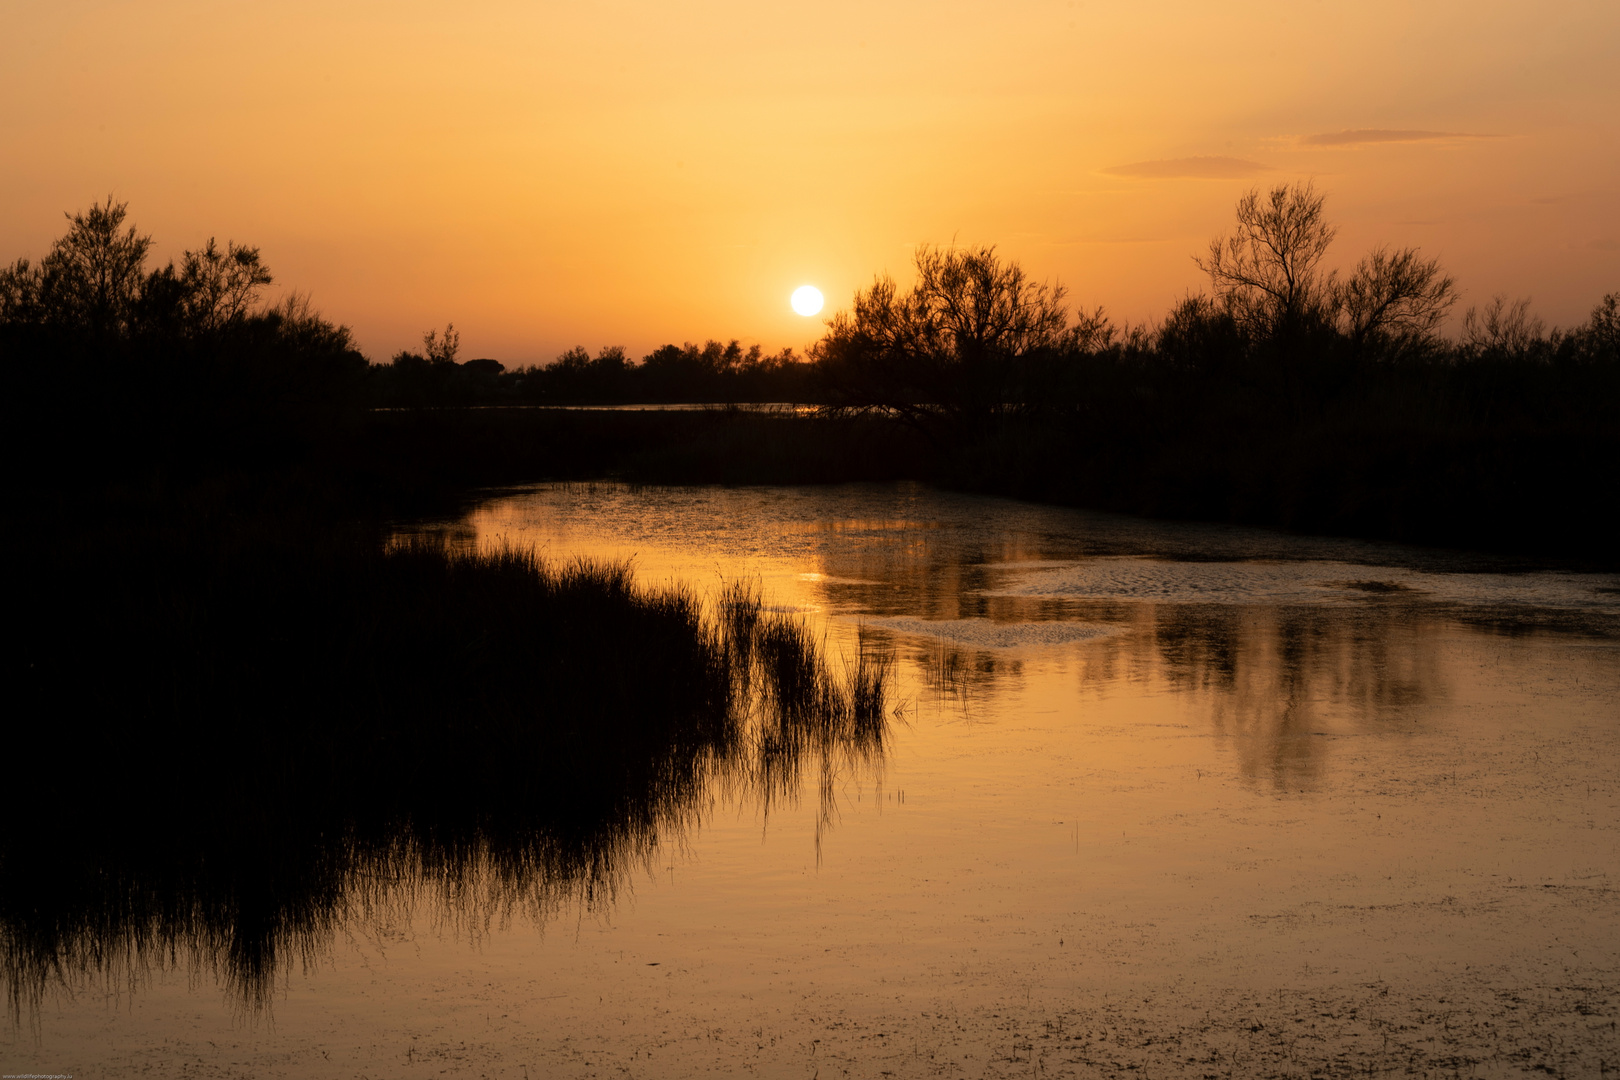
[1574,196]
[1189,168]
[1363,136]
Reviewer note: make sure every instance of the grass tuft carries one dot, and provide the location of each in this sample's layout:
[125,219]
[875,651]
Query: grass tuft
[236,744]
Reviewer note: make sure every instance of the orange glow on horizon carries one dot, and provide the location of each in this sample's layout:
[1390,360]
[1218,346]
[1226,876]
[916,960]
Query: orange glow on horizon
[547,176]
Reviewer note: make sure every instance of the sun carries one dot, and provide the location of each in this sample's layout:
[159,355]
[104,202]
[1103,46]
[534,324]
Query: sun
[807,300]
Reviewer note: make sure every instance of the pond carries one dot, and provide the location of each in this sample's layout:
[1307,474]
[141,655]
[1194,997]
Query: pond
[1169,798]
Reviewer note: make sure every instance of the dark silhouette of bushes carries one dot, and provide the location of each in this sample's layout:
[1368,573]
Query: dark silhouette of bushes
[245,716]
[974,342]
[1287,395]
[238,741]
[671,374]
[118,370]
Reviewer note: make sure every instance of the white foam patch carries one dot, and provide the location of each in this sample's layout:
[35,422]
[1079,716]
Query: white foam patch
[984,634]
[1169,581]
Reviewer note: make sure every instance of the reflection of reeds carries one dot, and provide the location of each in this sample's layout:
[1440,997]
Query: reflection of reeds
[948,668]
[263,747]
[798,706]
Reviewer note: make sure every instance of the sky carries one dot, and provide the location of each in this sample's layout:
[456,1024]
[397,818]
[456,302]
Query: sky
[545,175]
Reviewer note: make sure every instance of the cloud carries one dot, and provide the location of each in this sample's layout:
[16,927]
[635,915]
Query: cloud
[1363,136]
[1574,196]
[1189,168]
[1605,244]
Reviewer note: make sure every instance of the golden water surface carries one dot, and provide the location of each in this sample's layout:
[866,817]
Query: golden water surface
[1173,799]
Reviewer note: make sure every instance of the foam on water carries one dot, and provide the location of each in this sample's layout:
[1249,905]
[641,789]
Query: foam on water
[1294,582]
[985,634]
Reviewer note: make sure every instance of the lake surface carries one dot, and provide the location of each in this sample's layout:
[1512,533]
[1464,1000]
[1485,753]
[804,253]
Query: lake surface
[1169,799]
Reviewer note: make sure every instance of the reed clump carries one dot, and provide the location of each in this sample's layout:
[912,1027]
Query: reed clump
[236,743]
[802,709]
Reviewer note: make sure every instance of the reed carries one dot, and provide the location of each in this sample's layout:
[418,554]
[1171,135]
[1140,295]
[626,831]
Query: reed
[236,743]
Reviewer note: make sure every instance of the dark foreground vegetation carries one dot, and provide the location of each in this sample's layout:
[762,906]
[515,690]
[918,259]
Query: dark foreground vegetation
[244,714]
[230,751]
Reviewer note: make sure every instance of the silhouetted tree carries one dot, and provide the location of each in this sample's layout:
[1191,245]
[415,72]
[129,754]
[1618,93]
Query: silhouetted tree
[959,347]
[1502,330]
[220,287]
[1599,339]
[90,281]
[690,373]
[1395,300]
[1268,278]
[94,282]
[1266,272]
[442,348]
[429,377]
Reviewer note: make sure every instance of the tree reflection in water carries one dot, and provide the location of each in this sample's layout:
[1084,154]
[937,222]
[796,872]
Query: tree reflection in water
[1269,674]
[1274,681]
[1272,676]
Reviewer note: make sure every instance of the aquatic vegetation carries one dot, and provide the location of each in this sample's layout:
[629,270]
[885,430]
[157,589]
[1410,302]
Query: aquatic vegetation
[232,756]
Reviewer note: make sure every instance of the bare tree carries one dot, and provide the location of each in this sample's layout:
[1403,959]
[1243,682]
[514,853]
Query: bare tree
[1396,299]
[954,345]
[1502,328]
[1266,272]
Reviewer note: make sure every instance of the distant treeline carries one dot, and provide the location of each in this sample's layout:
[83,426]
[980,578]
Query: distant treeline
[1285,395]
[711,372]
[1200,334]
[976,338]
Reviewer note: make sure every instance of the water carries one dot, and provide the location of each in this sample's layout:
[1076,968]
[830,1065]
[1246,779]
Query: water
[1177,799]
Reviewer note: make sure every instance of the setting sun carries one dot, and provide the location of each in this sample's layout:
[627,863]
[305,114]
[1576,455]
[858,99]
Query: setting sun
[807,300]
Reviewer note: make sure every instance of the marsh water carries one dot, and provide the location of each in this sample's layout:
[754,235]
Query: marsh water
[1172,799]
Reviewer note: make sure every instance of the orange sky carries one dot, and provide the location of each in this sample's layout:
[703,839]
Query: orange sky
[631,172]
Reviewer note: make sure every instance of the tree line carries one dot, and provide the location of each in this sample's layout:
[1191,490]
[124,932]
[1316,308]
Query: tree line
[1284,393]
[974,338]
[707,373]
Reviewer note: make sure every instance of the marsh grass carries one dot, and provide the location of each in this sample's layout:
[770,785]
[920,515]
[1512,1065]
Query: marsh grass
[800,707]
[243,743]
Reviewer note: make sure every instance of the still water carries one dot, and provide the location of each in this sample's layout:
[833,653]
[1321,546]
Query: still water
[1173,799]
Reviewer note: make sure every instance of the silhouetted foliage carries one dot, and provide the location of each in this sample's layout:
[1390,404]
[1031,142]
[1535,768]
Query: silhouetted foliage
[1288,395]
[1503,331]
[243,710]
[120,370]
[1268,279]
[91,282]
[1266,272]
[94,284]
[671,374]
[1394,302]
[1199,334]
[968,343]
[268,737]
